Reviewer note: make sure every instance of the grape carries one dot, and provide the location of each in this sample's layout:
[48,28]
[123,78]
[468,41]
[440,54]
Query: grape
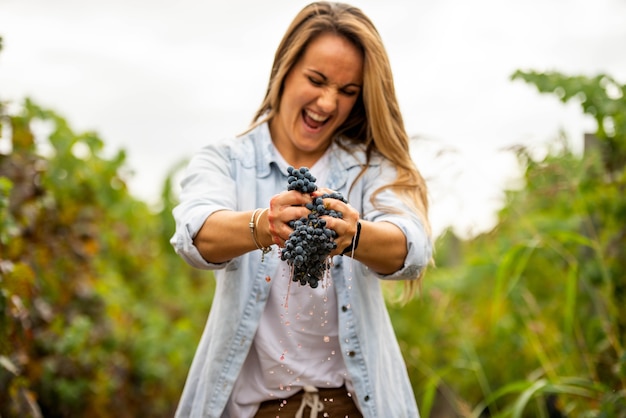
[301,180]
[310,242]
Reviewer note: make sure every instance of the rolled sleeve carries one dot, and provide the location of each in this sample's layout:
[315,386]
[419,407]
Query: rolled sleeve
[419,242]
[207,187]
[419,247]
[182,241]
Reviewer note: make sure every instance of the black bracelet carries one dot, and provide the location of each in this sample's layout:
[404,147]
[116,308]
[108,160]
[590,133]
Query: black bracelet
[355,240]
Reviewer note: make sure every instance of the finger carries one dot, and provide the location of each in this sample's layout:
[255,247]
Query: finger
[322,191]
[276,239]
[284,208]
[292,198]
[348,213]
[288,199]
[280,233]
[345,231]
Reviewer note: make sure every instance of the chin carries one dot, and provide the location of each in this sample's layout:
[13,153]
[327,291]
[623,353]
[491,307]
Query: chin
[307,146]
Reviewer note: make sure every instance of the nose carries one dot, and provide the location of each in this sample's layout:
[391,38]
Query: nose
[327,101]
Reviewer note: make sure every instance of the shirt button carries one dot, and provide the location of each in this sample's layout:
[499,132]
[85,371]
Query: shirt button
[344,308]
[367,398]
[351,353]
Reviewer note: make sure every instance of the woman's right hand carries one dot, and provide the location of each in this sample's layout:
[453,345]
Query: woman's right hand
[284,208]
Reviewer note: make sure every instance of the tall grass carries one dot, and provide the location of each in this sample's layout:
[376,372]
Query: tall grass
[530,319]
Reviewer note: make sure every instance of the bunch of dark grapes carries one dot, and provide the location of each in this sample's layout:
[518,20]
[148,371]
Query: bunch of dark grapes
[309,244]
[301,180]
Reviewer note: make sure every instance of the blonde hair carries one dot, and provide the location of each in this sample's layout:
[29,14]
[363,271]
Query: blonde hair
[375,120]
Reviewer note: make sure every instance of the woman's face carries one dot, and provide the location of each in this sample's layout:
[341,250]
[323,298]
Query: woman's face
[318,95]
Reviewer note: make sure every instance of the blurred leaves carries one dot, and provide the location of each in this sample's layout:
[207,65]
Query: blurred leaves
[98,316]
[529,320]
[601,97]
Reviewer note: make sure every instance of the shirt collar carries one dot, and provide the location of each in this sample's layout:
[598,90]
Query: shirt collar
[266,154]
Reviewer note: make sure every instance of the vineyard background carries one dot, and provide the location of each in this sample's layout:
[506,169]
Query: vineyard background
[99,317]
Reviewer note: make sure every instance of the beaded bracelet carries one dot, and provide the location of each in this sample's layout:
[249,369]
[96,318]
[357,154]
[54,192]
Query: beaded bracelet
[253,224]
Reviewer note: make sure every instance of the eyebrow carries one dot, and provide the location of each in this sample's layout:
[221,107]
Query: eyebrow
[326,78]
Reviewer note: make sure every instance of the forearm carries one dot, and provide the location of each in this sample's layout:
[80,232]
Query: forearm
[382,247]
[226,234]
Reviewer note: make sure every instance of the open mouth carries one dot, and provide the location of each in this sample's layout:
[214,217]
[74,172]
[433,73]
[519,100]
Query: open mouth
[313,120]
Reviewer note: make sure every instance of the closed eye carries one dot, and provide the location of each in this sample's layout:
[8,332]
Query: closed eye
[315,81]
[350,93]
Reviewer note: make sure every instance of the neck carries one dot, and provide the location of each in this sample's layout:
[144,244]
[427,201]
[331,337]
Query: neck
[294,156]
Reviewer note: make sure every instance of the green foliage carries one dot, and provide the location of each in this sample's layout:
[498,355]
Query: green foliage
[530,319]
[98,316]
[601,97]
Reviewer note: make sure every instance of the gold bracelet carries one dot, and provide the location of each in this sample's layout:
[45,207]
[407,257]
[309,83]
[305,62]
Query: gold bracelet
[253,224]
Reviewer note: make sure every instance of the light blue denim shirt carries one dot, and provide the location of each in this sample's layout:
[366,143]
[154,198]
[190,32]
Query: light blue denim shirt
[242,174]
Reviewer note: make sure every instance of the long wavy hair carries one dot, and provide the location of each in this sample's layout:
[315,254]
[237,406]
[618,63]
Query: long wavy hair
[375,120]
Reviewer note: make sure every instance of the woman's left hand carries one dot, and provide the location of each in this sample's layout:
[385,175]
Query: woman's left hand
[346,226]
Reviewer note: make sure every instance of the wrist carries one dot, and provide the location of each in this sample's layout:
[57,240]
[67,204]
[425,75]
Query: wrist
[263,234]
[254,226]
[355,240]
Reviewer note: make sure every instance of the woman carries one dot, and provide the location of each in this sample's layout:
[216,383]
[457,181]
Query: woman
[271,346]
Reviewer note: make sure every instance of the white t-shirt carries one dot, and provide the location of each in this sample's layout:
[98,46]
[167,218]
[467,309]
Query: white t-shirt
[296,343]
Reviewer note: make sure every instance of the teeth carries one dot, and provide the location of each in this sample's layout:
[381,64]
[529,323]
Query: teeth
[316,117]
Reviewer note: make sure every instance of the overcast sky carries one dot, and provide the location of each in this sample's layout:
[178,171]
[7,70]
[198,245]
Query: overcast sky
[162,78]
